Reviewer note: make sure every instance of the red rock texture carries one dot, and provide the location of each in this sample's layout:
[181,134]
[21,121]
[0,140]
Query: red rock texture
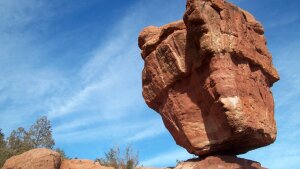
[218,162]
[209,76]
[82,164]
[34,159]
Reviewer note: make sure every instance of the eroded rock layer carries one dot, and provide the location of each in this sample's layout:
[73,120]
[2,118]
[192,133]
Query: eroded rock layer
[209,77]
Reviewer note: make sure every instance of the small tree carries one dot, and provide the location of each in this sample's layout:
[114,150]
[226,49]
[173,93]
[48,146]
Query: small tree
[19,141]
[5,152]
[2,140]
[41,134]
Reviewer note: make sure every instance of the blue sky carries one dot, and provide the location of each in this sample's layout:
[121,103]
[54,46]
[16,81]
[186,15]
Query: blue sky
[78,62]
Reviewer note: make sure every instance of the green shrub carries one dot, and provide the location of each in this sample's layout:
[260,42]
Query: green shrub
[129,160]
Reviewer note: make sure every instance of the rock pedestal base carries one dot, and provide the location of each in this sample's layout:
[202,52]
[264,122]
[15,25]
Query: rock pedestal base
[220,162]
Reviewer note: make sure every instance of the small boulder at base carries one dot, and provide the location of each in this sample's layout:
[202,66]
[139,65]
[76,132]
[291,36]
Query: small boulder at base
[40,158]
[218,162]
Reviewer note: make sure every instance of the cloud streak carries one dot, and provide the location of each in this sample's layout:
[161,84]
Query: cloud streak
[109,91]
[125,131]
[167,158]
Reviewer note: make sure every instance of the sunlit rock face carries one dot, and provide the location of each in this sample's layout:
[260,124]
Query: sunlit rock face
[209,77]
[40,158]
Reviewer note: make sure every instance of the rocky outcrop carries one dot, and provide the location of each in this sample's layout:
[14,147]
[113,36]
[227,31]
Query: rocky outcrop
[217,162]
[34,159]
[209,77]
[48,159]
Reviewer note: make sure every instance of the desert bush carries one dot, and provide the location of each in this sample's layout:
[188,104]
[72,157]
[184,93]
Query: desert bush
[113,158]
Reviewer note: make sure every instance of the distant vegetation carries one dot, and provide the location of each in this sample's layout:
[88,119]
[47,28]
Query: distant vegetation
[40,136]
[20,140]
[113,158]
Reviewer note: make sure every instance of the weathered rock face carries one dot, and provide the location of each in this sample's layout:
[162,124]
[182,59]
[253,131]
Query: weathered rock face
[209,77]
[217,162]
[81,164]
[36,158]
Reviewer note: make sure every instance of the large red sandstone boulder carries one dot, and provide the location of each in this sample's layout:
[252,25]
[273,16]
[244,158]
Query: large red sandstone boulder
[82,164]
[218,162]
[209,77]
[34,159]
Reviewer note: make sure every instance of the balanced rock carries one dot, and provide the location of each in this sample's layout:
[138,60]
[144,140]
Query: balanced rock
[217,162]
[34,159]
[209,77]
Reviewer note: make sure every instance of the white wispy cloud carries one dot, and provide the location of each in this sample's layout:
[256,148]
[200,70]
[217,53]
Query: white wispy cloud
[150,129]
[15,14]
[75,124]
[284,20]
[25,85]
[128,132]
[78,99]
[167,158]
[107,69]
[111,81]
